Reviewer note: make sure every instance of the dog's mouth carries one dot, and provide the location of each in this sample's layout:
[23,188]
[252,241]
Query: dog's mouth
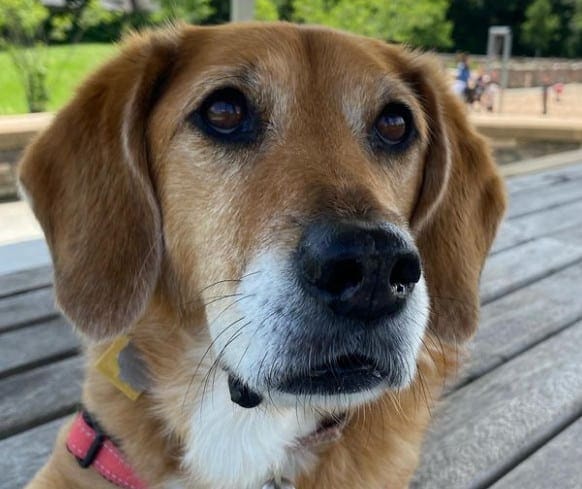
[347,374]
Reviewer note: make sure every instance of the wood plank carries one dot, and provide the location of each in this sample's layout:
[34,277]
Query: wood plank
[30,346]
[23,255]
[515,322]
[548,222]
[24,308]
[39,395]
[570,235]
[526,202]
[545,179]
[507,237]
[23,454]
[523,264]
[34,278]
[490,425]
[556,464]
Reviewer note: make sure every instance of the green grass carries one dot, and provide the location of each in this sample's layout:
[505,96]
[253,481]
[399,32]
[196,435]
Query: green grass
[67,66]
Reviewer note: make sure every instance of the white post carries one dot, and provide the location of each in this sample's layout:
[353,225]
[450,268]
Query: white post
[241,10]
[502,34]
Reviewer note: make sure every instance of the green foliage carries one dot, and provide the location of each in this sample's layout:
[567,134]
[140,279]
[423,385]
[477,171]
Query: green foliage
[192,11]
[27,27]
[266,10]
[22,23]
[574,23]
[79,16]
[64,67]
[540,26]
[22,20]
[31,68]
[419,23]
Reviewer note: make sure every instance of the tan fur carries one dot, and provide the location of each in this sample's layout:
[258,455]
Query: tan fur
[141,214]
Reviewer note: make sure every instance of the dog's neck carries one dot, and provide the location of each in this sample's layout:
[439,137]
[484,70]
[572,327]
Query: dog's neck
[181,431]
[231,446]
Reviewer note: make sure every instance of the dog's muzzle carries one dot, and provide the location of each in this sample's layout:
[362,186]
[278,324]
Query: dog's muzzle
[353,282]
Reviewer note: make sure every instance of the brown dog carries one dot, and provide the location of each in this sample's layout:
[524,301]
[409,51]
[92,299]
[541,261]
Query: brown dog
[289,224]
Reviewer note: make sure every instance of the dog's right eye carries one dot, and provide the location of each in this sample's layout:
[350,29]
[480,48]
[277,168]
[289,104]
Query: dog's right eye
[225,115]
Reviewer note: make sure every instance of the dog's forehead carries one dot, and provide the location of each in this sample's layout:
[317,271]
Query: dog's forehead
[299,60]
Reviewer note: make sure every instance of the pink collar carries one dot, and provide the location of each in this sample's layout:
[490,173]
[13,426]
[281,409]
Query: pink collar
[93,448]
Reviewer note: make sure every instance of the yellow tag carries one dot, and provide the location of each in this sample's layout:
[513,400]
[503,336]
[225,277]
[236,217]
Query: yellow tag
[108,365]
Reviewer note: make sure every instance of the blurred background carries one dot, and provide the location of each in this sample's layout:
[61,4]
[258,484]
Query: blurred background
[47,46]
[516,64]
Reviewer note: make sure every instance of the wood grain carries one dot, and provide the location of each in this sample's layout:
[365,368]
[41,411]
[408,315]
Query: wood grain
[518,266]
[526,202]
[507,237]
[549,221]
[485,428]
[39,395]
[519,320]
[556,465]
[21,309]
[23,454]
[544,180]
[27,347]
[13,283]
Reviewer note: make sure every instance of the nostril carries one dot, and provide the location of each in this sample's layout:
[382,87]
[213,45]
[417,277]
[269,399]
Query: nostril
[339,276]
[405,272]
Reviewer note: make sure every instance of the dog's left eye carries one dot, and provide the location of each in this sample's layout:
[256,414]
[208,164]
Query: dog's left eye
[394,125]
[225,115]
[225,111]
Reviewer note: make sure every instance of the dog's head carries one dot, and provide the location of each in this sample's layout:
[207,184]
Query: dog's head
[313,200]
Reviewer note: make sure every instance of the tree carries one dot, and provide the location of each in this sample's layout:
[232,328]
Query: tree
[192,11]
[540,26]
[27,26]
[574,42]
[418,23]
[266,10]
[21,22]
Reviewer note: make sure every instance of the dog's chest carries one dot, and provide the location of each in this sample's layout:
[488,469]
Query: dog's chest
[230,446]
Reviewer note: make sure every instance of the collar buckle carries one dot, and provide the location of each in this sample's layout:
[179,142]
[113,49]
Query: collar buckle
[96,444]
[92,453]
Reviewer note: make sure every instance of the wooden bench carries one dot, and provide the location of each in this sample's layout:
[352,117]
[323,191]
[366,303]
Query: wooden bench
[511,420]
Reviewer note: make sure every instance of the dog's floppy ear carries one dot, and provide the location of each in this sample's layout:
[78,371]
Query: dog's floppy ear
[89,183]
[460,205]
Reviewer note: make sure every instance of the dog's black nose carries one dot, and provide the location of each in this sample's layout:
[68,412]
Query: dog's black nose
[358,272]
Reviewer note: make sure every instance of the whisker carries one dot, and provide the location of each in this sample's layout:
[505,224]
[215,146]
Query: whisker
[204,357]
[216,362]
[231,280]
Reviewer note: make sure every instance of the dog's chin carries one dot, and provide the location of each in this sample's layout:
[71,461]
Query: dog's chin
[349,383]
[332,402]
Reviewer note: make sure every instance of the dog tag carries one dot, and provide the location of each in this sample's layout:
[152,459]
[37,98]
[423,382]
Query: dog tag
[122,365]
[241,394]
[281,484]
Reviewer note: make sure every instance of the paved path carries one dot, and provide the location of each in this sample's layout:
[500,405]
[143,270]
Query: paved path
[513,418]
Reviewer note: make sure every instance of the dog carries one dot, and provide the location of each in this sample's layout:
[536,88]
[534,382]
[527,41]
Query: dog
[285,226]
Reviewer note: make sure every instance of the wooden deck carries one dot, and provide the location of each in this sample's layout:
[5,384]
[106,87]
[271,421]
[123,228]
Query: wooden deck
[512,420]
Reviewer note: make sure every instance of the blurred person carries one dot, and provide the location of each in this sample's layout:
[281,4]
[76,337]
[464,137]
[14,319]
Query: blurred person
[490,91]
[558,90]
[462,77]
[546,84]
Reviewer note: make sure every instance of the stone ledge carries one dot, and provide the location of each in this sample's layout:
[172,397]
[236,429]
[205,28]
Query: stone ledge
[525,128]
[16,131]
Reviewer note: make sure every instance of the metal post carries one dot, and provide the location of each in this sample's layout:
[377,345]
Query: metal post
[242,10]
[505,65]
[500,35]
